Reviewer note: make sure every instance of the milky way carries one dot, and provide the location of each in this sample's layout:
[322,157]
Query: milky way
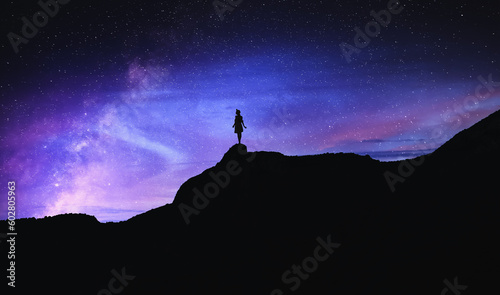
[110,107]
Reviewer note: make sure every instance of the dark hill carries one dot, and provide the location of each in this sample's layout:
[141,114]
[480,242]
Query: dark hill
[481,139]
[241,226]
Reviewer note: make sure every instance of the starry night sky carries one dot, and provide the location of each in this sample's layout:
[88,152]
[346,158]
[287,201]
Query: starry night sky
[112,105]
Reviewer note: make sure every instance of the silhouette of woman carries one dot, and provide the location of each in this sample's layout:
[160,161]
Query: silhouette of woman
[238,121]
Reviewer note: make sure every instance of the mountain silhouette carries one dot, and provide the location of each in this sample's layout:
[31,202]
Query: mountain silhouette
[266,223]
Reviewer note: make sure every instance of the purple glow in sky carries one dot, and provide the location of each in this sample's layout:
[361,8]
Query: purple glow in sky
[112,106]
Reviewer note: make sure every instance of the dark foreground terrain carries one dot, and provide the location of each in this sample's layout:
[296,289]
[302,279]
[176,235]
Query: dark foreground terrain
[265,223]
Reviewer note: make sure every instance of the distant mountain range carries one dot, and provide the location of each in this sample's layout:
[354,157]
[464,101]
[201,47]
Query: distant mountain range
[265,223]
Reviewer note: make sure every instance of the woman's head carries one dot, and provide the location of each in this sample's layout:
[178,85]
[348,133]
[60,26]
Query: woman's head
[237,112]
